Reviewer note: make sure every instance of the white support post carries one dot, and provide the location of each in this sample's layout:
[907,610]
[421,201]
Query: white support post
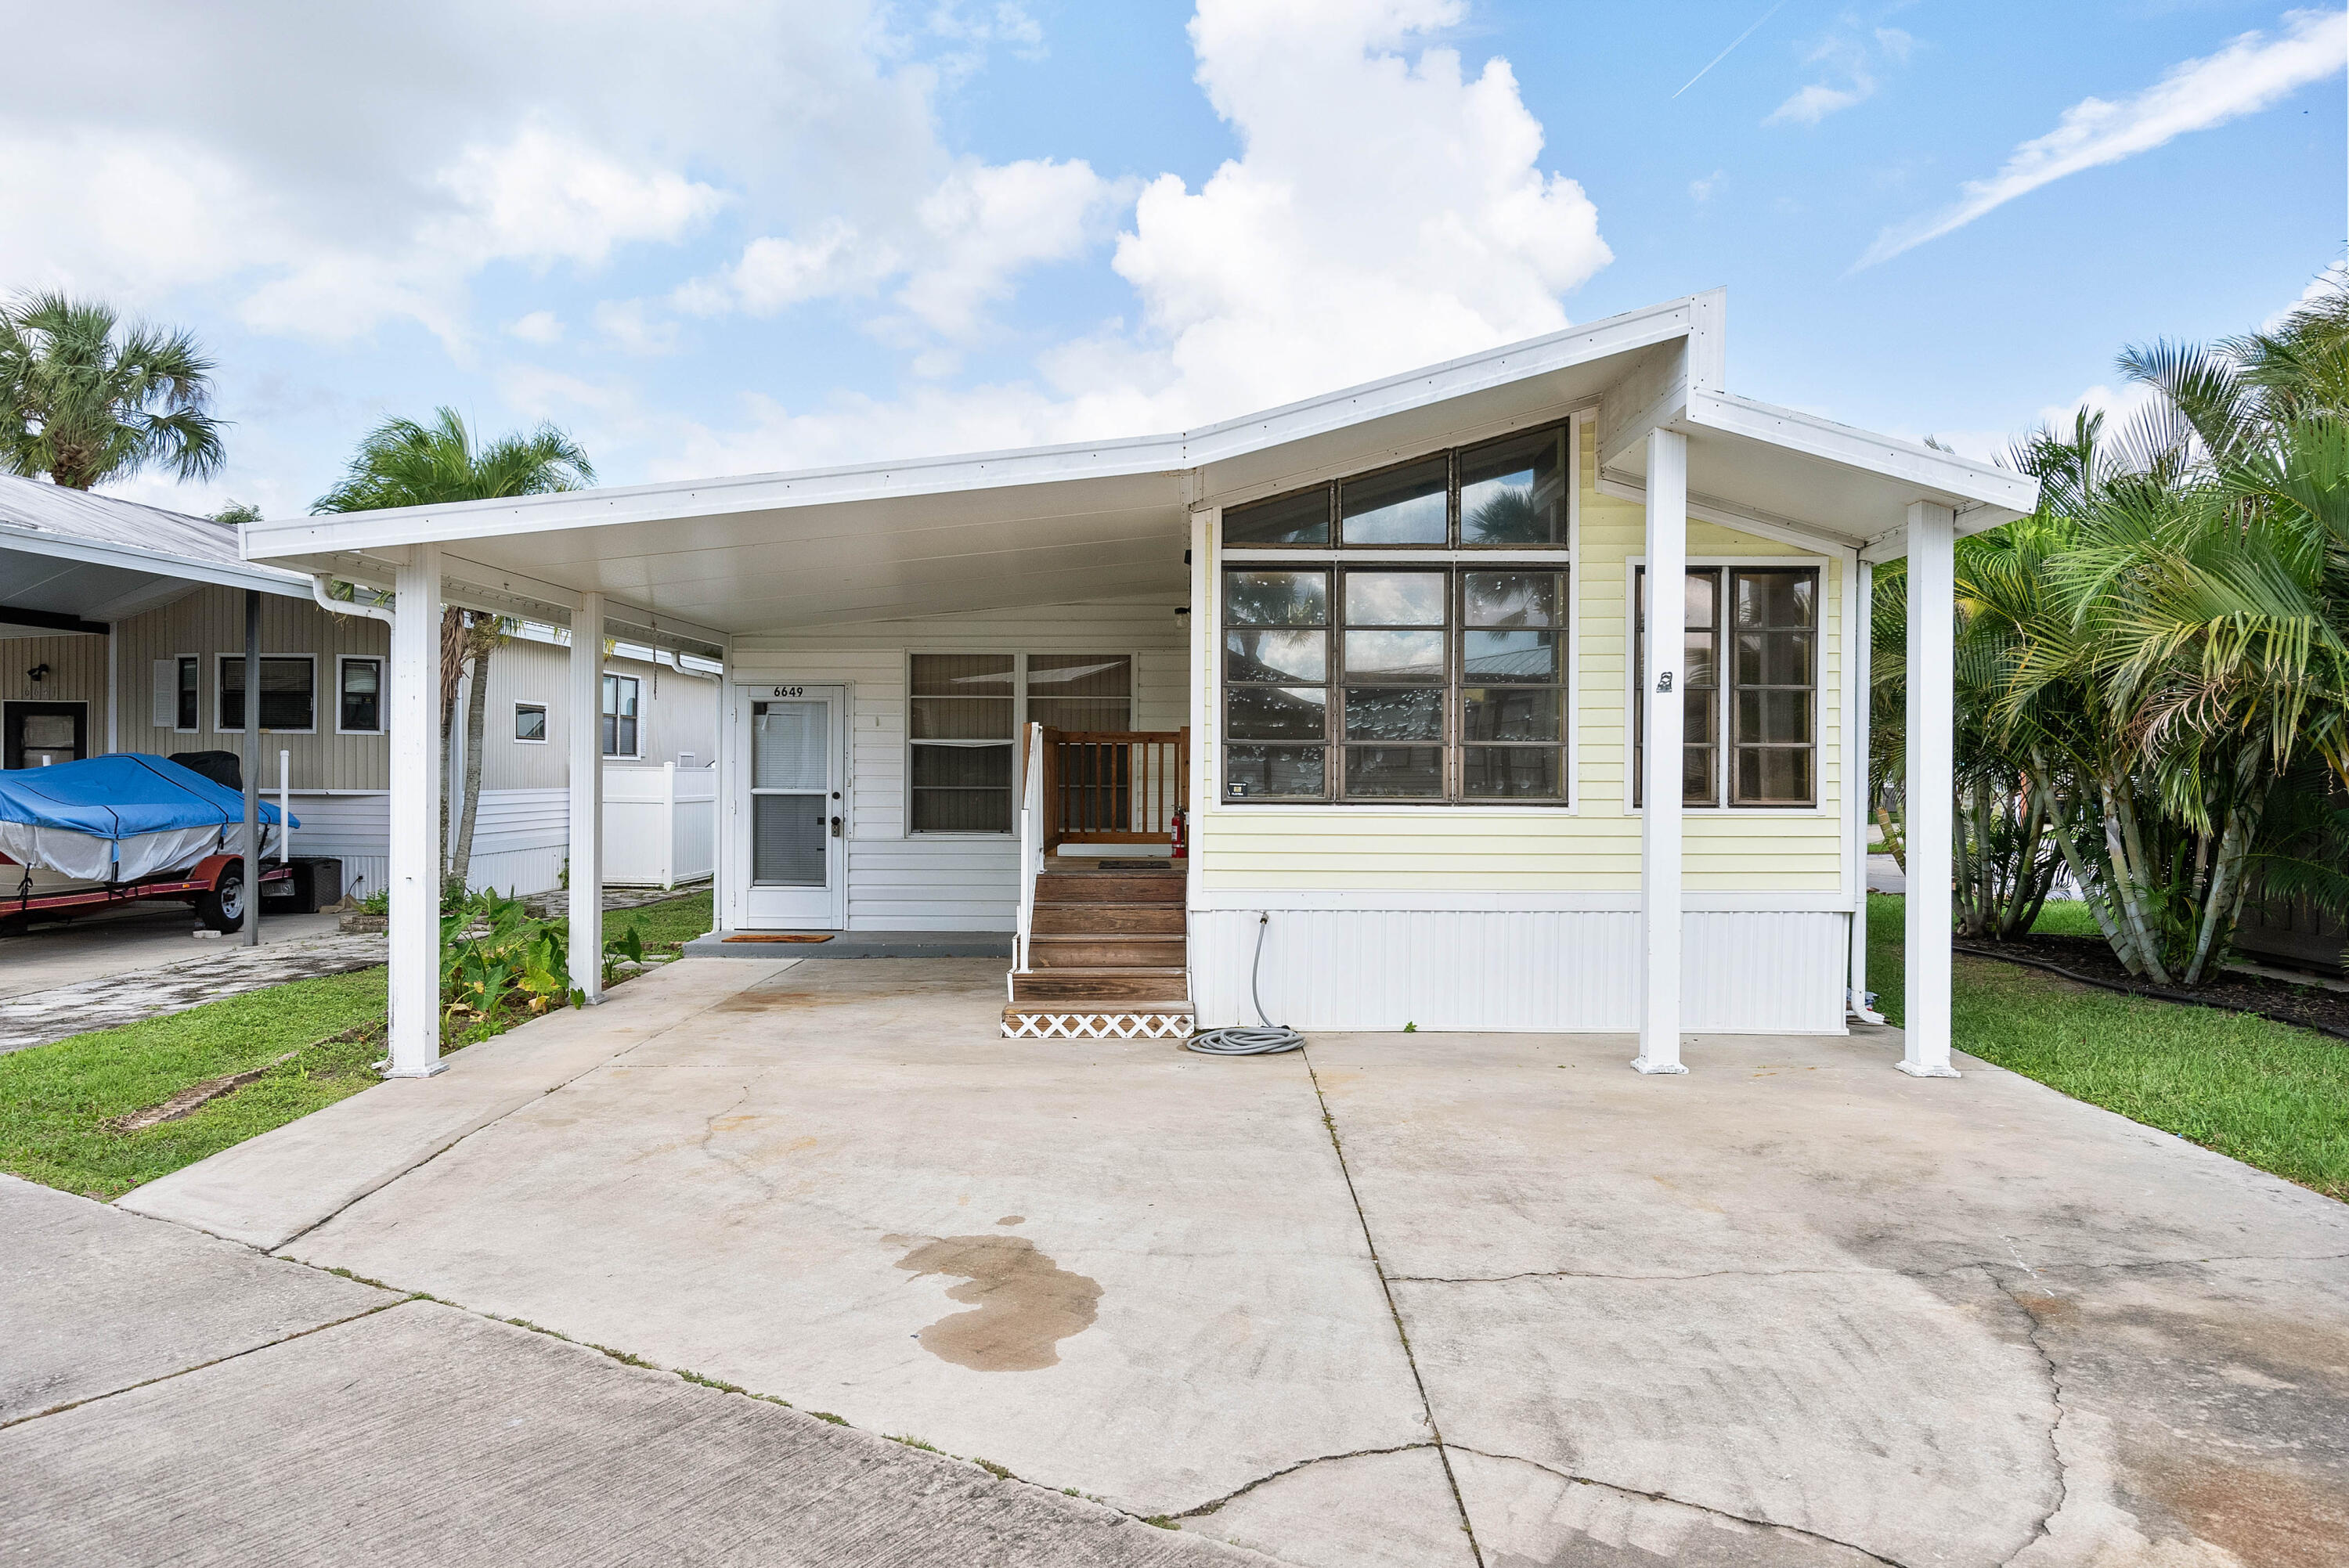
[1931,770]
[1659,792]
[415,806]
[1856,769]
[586,705]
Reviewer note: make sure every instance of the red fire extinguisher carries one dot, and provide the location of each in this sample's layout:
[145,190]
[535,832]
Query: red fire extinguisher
[1179,824]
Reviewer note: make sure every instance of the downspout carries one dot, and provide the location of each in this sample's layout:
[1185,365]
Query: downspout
[326,601]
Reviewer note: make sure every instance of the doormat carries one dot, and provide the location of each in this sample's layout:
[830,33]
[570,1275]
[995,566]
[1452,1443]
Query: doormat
[777,936]
[1135,865]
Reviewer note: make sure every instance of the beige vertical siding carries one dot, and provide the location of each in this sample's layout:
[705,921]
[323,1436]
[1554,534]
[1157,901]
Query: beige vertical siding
[76,673]
[208,623]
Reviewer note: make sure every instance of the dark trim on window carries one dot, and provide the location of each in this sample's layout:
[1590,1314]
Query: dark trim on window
[1291,522]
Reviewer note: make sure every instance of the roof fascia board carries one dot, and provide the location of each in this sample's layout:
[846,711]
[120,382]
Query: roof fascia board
[476,585]
[1993,488]
[1653,397]
[128,558]
[283,539]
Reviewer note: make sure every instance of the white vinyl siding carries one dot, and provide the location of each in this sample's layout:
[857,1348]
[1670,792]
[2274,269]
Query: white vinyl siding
[899,880]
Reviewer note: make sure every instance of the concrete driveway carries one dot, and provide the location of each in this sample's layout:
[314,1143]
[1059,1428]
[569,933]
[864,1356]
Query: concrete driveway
[1425,1299]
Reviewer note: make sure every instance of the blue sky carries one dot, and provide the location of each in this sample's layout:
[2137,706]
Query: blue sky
[729,240]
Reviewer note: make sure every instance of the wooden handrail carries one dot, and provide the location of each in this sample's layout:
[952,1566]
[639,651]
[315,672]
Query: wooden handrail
[1114,785]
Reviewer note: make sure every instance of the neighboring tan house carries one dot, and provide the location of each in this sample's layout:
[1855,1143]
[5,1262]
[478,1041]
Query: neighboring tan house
[101,596]
[1385,648]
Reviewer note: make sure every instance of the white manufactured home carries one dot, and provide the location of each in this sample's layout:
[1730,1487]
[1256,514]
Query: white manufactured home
[1380,681]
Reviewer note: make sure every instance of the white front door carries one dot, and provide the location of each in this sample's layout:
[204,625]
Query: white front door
[794,843]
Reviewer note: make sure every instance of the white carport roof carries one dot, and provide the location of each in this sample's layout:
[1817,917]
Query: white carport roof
[769,553]
[74,561]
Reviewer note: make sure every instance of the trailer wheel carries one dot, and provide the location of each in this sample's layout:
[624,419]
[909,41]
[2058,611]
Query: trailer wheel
[222,909]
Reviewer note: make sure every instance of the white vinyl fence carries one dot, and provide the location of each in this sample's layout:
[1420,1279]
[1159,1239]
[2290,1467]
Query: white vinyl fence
[659,825]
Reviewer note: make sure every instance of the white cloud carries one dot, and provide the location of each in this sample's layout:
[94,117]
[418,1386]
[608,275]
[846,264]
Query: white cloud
[1851,56]
[1387,210]
[1701,190]
[540,326]
[625,324]
[2326,284]
[2247,76]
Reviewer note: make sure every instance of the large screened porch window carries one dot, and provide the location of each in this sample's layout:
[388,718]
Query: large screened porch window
[1381,643]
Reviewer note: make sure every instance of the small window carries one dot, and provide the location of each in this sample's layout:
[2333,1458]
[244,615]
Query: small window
[1767,704]
[289,698]
[530,723]
[178,684]
[964,720]
[620,696]
[360,699]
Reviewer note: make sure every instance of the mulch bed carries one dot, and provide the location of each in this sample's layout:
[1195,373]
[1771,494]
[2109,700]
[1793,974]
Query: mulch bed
[2090,959]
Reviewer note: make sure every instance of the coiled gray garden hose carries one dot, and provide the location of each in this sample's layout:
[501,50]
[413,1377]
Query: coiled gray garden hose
[1268,1041]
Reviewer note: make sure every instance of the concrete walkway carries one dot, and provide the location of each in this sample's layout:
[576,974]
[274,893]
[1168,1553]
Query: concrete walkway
[167,1398]
[225,967]
[1343,1308]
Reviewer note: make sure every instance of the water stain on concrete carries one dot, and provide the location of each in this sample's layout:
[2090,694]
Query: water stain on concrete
[1025,1302]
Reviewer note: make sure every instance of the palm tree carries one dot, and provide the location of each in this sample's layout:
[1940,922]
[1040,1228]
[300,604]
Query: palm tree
[403,463]
[87,400]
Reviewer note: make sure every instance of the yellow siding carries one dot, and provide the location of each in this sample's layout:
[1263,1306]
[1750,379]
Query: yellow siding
[1594,847]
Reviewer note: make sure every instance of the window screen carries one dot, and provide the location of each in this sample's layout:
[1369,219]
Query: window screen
[967,711]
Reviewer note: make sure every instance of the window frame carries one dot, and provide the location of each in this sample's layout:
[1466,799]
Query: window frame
[182,698]
[381,664]
[220,691]
[641,716]
[1568,430]
[1019,699]
[1453,567]
[1822,569]
[515,735]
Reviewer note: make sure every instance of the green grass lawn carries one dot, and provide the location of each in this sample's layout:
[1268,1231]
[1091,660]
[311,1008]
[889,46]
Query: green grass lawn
[2265,1093]
[55,1099]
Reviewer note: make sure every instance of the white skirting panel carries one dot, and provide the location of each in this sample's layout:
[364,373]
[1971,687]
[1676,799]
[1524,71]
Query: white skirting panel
[1555,971]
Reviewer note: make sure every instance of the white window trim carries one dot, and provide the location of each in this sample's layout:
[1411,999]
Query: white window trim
[221,661]
[1823,805]
[544,714]
[382,695]
[1133,656]
[644,717]
[197,728]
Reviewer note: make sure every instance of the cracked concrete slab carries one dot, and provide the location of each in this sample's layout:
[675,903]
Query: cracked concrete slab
[1529,1516]
[1393,1509]
[810,1193]
[93,1302]
[423,1434]
[268,1189]
[1798,1288]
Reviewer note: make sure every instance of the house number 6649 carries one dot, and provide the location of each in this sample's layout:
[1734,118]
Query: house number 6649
[789,691]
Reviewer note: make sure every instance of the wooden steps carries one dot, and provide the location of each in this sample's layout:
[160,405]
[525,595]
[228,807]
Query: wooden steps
[1106,956]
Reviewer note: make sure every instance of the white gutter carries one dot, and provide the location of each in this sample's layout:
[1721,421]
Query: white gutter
[326,601]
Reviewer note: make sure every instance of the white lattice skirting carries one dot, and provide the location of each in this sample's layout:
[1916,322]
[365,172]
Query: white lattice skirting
[1097,1026]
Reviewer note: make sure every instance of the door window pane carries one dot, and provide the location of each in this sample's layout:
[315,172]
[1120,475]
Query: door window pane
[1512,491]
[1402,506]
[1292,519]
[787,841]
[787,747]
